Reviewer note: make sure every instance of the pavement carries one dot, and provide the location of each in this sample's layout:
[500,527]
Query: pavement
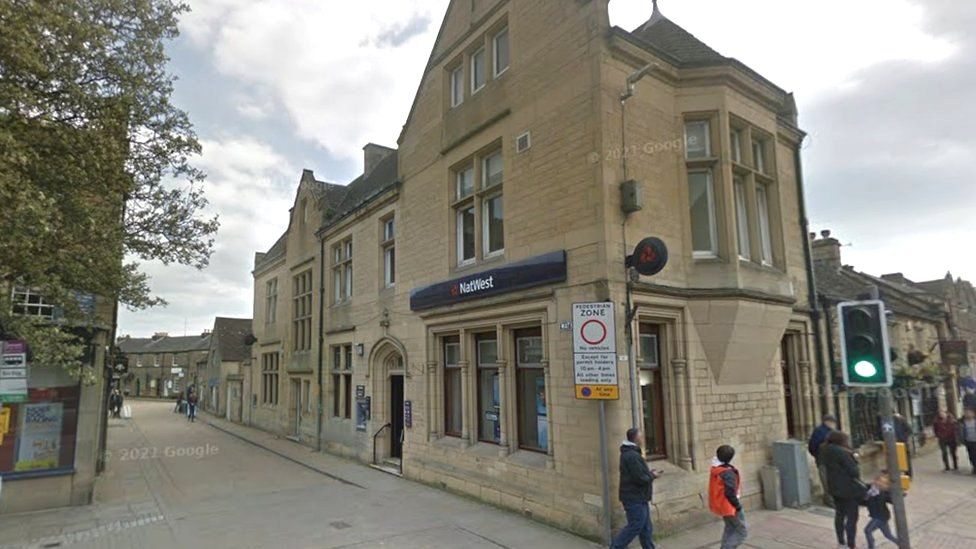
[212,483]
[170,483]
[941,515]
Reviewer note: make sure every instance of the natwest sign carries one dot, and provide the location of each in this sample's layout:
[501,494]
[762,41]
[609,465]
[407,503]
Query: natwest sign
[472,286]
[527,273]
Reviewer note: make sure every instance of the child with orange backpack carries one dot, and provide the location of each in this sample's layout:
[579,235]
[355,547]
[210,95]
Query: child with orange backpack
[723,498]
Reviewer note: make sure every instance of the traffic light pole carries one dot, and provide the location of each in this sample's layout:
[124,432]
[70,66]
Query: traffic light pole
[894,469]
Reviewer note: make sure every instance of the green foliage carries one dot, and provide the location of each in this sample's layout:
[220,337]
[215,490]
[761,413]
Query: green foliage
[95,170]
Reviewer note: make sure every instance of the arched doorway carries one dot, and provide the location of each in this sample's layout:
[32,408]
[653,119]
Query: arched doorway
[387,371]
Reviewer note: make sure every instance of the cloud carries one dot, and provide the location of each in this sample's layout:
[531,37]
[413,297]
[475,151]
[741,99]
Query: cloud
[251,187]
[344,73]
[889,158]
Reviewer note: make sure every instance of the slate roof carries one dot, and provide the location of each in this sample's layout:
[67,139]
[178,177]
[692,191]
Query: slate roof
[230,335]
[165,344]
[363,189]
[848,284]
[677,43]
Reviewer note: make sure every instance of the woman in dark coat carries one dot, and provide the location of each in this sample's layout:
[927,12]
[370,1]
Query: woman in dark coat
[844,485]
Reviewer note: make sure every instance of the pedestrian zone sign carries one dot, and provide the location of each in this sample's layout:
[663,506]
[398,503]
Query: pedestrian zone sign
[595,351]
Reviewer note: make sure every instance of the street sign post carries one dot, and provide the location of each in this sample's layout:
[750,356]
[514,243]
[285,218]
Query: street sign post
[595,351]
[13,372]
[595,368]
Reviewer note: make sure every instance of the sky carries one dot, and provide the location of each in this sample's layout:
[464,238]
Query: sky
[883,89]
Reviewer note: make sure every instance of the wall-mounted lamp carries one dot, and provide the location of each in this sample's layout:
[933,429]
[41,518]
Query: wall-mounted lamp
[360,349]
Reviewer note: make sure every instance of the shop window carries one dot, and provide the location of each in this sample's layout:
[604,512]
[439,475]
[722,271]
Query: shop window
[652,391]
[489,397]
[43,426]
[533,411]
[452,387]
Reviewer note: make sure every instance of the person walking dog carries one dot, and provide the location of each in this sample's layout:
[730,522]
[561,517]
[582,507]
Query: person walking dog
[636,491]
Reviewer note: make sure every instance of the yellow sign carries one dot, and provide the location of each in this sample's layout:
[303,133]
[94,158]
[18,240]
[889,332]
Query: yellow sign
[4,421]
[597,392]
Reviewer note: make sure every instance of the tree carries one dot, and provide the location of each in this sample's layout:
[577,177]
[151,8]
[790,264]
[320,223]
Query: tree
[95,172]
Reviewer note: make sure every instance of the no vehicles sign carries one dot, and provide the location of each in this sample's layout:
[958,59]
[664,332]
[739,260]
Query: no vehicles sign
[595,351]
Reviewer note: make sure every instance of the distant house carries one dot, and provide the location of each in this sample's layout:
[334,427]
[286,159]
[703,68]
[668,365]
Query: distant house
[162,366]
[222,384]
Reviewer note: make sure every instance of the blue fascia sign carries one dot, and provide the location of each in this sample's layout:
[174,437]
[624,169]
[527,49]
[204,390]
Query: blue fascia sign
[535,271]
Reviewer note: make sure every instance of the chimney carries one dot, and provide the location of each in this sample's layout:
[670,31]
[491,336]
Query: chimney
[827,250]
[373,154]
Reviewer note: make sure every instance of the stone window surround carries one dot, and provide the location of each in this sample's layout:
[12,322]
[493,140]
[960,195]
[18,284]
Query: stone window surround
[387,244]
[483,43]
[723,169]
[763,239]
[341,262]
[680,430]
[340,381]
[477,200]
[465,329]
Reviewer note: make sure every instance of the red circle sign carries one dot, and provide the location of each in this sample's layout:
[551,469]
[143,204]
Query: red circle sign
[599,334]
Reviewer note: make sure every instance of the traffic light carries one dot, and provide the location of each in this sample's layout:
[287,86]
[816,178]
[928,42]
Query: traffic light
[864,344]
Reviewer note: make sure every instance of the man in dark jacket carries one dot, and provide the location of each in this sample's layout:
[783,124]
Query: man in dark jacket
[636,490]
[819,436]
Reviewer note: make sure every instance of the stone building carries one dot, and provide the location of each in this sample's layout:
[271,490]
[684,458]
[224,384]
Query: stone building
[284,377]
[916,328]
[163,365]
[440,286]
[222,388]
[959,298]
[52,449]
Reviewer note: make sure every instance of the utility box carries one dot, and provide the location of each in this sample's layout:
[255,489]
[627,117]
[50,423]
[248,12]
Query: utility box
[631,196]
[790,457]
[771,490]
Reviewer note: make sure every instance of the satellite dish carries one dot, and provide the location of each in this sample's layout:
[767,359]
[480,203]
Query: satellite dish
[650,256]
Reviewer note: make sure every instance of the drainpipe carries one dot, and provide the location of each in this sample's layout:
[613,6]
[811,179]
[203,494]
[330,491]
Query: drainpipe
[629,314]
[815,312]
[318,430]
[828,320]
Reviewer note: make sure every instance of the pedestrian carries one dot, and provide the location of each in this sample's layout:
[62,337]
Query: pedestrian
[115,403]
[878,498]
[844,484]
[828,423]
[969,398]
[179,403]
[191,407]
[967,435]
[723,498]
[945,427]
[636,491]
[903,434]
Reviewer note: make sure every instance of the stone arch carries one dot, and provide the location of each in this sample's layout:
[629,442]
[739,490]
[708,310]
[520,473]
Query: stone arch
[385,348]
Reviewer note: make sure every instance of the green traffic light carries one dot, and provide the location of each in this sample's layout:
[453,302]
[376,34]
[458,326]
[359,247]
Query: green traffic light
[865,369]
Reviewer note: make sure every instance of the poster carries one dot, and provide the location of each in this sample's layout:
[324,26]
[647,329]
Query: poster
[13,371]
[542,423]
[39,444]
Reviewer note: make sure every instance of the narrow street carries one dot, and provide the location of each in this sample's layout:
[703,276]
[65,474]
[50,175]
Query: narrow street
[174,484]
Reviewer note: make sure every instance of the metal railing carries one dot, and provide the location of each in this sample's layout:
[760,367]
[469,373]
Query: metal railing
[376,434]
